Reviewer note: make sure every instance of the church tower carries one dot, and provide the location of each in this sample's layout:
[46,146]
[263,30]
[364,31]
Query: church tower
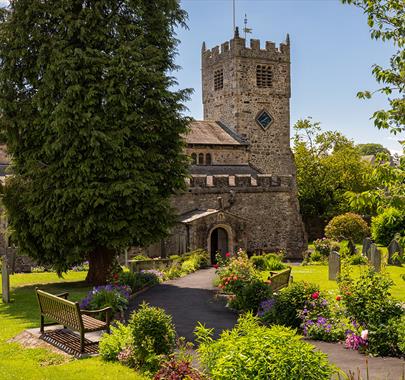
[248,90]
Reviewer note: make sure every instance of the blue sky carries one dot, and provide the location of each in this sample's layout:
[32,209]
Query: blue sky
[332,55]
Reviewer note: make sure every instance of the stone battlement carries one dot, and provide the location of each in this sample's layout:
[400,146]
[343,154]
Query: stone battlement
[239,182]
[237,47]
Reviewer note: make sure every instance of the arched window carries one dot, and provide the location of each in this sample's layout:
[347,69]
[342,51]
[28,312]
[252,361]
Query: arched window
[208,159]
[193,159]
[201,159]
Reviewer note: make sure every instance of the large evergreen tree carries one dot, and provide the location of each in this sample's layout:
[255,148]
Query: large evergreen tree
[92,124]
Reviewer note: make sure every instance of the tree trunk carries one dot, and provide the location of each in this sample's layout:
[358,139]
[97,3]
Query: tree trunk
[100,264]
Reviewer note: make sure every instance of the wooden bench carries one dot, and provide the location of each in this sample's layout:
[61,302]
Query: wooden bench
[68,313]
[279,280]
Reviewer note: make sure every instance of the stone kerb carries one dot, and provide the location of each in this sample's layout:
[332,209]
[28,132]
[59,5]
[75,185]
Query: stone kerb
[334,265]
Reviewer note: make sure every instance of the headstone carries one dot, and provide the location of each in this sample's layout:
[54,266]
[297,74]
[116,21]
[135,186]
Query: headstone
[334,265]
[5,281]
[375,257]
[366,246]
[351,247]
[394,247]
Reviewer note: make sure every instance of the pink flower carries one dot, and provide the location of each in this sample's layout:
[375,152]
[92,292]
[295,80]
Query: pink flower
[315,295]
[228,254]
[216,266]
[364,334]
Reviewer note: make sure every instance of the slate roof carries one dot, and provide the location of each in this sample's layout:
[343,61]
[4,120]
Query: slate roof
[205,132]
[223,169]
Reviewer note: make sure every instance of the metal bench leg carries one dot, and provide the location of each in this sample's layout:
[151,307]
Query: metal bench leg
[41,329]
[81,342]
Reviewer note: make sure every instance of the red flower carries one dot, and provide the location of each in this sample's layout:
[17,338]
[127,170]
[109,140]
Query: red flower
[338,298]
[315,295]
[216,266]
[228,254]
[115,276]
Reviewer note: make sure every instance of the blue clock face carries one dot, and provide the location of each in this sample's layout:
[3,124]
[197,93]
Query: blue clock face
[264,119]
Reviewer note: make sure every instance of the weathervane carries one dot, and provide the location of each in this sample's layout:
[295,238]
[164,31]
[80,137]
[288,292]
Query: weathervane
[246,29]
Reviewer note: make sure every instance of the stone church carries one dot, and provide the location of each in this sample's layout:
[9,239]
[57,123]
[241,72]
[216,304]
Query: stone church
[242,190]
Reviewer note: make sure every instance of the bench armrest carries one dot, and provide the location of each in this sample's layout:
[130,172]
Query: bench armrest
[63,295]
[106,310]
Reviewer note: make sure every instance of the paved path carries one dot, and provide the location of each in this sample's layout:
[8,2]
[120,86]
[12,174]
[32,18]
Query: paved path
[191,299]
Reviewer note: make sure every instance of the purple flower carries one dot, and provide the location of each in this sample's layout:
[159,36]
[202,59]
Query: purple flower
[265,306]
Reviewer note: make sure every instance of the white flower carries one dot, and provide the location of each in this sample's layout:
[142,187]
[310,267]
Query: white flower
[364,334]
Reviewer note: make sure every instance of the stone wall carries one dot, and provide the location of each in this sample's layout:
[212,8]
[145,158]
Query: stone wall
[269,208]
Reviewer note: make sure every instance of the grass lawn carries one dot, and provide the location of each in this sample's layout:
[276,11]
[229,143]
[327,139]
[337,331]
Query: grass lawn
[318,274]
[22,313]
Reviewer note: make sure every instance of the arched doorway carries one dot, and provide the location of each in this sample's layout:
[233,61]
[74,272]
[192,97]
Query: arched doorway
[219,243]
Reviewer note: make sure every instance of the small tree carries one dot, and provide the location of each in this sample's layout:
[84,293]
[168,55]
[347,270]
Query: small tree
[92,125]
[347,226]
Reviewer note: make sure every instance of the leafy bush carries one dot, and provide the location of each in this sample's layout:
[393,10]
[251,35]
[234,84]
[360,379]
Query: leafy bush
[325,246]
[251,295]
[347,226]
[269,261]
[252,351]
[401,334]
[357,260]
[386,225]
[283,308]
[115,342]
[316,257]
[136,280]
[235,272]
[140,258]
[117,297]
[194,261]
[178,370]
[153,334]
[368,301]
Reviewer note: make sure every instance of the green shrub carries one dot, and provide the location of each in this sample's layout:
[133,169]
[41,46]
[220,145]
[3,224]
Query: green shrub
[316,257]
[112,344]
[194,261]
[174,271]
[384,339]
[259,262]
[269,261]
[386,225]
[136,280]
[252,351]
[325,246]
[251,295]
[283,309]
[401,334]
[153,334]
[347,226]
[357,260]
[140,258]
[178,369]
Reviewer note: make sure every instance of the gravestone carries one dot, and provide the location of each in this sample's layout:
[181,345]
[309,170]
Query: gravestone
[366,246]
[5,280]
[394,247]
[375,257]
[334,265]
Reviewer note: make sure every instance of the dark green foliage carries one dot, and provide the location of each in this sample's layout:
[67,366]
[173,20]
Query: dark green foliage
[288,302]
[269,261]
[252,351]
[153,334]
[138,280]
[347,226]
[385,226]
[92,124]
[250,296]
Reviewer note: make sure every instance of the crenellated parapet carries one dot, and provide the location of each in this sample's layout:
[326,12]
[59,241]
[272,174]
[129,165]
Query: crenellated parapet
[238,183]
[236,47]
